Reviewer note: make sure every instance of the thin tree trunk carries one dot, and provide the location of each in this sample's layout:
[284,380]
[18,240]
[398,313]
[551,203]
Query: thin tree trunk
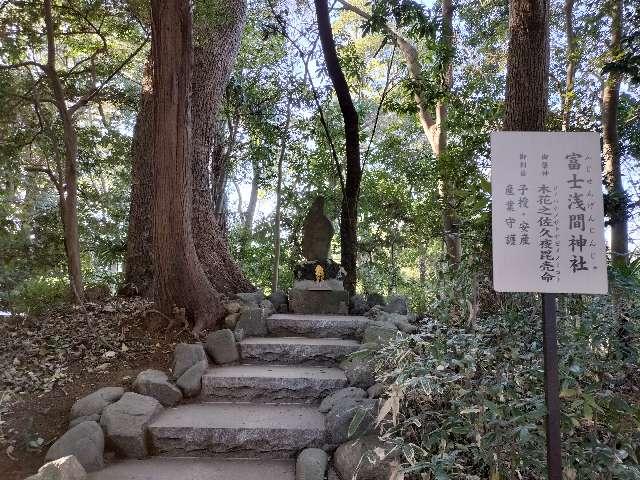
[139,264]
[526,96]
[276,222]
[617,204]
[179,279]
[253,202]
[216,48]
[69,207]
[434,128]
[351,188]
[572,60]
[450,221]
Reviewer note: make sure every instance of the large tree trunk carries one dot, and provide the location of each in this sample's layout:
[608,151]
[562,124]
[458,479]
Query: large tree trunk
[69,198]
[351,187]
[276,222]
[216,47]
[617,198]
[139,265]
[526,96]
[179,280]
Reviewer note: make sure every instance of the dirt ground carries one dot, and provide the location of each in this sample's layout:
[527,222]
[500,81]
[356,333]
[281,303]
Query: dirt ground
[48,362]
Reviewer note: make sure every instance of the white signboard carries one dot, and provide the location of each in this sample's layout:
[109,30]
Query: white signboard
[548,220]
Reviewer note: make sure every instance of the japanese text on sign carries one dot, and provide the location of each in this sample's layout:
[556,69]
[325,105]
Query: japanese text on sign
[548,222]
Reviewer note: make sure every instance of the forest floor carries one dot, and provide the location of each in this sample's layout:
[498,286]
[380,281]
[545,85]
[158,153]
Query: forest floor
[49,361]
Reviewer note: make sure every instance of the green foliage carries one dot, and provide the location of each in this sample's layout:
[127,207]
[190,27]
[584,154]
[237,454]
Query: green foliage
[472,401]
[36,295]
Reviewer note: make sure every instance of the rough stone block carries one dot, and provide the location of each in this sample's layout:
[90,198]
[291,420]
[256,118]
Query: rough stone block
[339,396]
[65,468]
[319,301]
[253,322]
[379,332]
[338,420]
[311,464]
[186,356]
[363,459]
[191,381]
[155,383]
[85,442]
[94,403]
[221,346]
[125,423]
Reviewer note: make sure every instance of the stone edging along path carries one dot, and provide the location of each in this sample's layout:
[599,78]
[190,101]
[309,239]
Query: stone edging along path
[271,399]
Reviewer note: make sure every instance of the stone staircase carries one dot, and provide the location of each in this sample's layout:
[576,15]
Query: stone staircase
[252,419]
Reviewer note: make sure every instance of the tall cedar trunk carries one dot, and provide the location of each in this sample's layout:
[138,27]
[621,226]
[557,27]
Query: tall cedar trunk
[567,99]
[351,189]
[179,280]
[139,265]
[276,222]
[68,197]
[450,221]
[617,204]
[526,96]
[216,46]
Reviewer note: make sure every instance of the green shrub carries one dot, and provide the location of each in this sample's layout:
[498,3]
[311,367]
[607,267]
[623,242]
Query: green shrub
[35,295]
[468,398]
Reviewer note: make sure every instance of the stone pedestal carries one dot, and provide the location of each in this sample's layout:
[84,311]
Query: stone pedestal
[334,302]
[310,295]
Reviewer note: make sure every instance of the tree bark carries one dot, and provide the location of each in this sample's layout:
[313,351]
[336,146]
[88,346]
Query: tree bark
[617,198]
[526,96]
[216,46]
[276,222]
[567,98]
[351,188]
[69,198]
[139,264]
[179,279]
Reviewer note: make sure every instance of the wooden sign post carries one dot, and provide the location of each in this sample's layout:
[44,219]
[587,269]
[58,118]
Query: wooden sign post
[548,235]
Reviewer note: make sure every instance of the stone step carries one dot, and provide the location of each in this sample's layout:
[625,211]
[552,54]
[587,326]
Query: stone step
[337,326]
[197,469]
[237,430]
[300,350]
[272,383]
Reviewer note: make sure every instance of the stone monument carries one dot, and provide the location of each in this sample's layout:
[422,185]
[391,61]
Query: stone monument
[318,281]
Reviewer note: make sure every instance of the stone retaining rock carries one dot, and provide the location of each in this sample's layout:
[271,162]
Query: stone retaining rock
[94,403]
[379,332]
[251,299]
[311,464]
[89,418]
[231,320]
[397,304]
[375,390]
[358,305]
[65,468]
[191,381]
[85,442]
[221,346]
[252,322]
[155,383]
[186,356]
[363,459]
[359,372]
[279,301]
[125,423]
[338,396]
[339,418]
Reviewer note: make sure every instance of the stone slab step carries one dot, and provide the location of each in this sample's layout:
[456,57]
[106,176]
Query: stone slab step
[238,430]
[337,326]
[272,383]
[299,350]
[197,469]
